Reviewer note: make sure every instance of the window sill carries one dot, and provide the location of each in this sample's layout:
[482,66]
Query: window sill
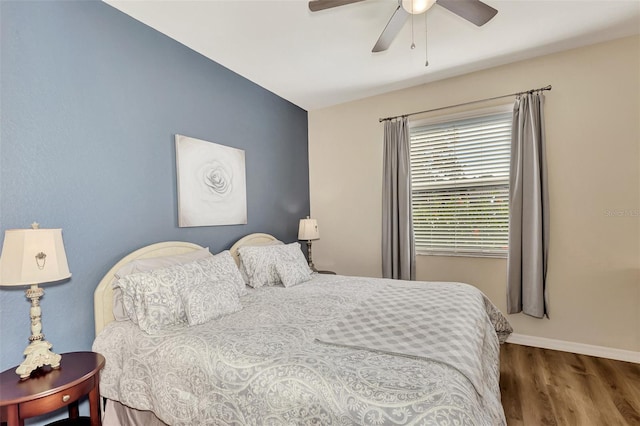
[475,255]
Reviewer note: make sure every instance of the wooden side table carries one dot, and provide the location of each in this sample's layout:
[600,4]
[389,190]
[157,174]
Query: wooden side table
[50,389]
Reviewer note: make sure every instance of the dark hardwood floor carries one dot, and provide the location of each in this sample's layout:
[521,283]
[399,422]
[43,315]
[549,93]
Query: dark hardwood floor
[543,387]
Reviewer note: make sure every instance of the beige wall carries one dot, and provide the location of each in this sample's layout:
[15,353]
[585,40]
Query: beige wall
[593,140]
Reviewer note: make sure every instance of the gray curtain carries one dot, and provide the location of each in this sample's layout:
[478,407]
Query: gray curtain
[528,210]
[398,251]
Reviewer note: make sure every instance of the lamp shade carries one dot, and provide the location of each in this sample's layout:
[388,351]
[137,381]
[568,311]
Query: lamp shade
[32,256]
[308,229]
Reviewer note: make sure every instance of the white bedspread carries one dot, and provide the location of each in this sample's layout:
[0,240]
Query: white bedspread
[262,365]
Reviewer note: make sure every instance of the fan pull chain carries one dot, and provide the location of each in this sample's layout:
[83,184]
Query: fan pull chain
[426,42]
[413,44]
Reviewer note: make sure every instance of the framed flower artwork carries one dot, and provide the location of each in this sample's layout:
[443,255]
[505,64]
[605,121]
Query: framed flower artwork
[211,181]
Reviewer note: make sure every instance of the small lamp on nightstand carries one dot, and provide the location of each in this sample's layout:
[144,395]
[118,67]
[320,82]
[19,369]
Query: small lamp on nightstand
[31,257]
[308,230]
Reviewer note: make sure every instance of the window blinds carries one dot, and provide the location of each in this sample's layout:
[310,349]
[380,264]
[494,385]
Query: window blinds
[460,186]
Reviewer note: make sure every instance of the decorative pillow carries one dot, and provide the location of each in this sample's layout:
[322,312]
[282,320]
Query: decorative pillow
[243,270]
[260,262]
[152,299]
[222,267]
[149,264]
[209,300]
[292,272]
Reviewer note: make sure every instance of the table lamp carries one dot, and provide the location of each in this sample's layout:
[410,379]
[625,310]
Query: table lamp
[308,230]
[30,257]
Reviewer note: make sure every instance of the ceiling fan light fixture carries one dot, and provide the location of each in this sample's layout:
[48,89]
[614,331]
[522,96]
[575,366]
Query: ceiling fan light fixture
[416,7]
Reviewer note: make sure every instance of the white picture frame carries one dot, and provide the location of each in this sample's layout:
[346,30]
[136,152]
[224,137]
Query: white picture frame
[211,181]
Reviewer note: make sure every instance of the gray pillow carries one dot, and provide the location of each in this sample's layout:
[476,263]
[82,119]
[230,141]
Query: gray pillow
[209,300]
[149,264]
[154,299]
[222,267]
[260,262]
[292,272]
[243,270]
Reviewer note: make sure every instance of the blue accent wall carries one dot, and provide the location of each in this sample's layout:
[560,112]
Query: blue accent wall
[90,102]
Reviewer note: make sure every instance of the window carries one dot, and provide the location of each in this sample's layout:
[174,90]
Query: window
[460,184]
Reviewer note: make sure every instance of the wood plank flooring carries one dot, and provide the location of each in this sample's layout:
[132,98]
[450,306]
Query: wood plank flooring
[542,387]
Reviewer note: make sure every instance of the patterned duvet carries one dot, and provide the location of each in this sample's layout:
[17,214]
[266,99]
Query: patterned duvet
[264,365]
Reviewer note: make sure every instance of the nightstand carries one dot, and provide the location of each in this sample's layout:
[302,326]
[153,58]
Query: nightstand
[50,389]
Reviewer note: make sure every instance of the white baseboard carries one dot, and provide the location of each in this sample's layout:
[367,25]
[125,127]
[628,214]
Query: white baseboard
[578,348]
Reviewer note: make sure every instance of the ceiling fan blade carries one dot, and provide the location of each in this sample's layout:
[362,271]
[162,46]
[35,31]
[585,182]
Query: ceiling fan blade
[392,29]
[472,10]
[316,5]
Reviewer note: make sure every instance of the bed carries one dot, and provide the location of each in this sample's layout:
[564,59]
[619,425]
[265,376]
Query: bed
[331,350]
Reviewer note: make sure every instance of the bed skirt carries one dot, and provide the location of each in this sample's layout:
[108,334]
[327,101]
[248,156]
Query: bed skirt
[117,414]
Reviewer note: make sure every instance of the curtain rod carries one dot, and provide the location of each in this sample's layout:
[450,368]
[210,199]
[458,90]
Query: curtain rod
[380,120]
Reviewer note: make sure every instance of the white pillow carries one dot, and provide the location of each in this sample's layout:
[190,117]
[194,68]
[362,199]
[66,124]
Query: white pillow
[293,272]
[209,300]
[222,267]
[243,269]
[149,264]
[152,299]
[155,299]
[260,262]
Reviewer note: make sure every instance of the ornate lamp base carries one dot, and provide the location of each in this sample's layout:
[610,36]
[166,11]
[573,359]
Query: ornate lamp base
[38,355]
[311,265]
[38,352]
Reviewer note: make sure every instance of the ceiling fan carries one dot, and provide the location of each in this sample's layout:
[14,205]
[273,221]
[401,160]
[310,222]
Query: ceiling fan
[473,11]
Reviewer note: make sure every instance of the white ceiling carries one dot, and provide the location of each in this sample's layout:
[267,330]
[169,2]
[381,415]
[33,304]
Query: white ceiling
[320,59]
